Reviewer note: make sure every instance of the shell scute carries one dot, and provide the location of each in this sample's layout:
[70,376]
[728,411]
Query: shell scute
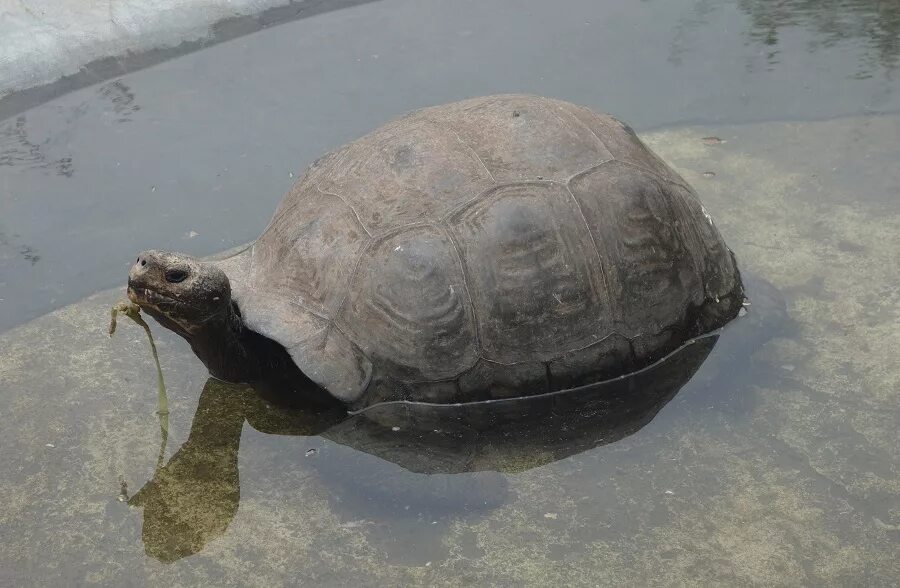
[621,141]
[491,381]
[712,257]
[408,171]
[534,278]
[307,256]
[653,278]
[523,137]
[408,306]
[601,361]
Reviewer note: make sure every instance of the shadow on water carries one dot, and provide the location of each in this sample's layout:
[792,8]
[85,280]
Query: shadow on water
[433,460]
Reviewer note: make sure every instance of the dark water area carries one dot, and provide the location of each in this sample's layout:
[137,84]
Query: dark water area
[767,456]
[193,154]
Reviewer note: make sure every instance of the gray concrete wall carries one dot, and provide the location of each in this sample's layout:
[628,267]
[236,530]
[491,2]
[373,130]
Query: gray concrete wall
[44,40]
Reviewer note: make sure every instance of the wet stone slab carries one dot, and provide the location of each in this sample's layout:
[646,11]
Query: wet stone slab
[778,468]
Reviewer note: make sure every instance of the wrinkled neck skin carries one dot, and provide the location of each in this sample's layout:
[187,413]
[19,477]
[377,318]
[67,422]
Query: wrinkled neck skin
[233,353]
[227,348]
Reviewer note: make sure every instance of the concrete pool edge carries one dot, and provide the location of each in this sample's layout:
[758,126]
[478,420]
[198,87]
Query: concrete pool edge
[103,48]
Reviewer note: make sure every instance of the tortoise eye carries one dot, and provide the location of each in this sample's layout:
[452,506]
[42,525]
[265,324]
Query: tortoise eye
[173,276]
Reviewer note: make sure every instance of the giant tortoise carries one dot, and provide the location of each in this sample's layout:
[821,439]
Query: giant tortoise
[496,247]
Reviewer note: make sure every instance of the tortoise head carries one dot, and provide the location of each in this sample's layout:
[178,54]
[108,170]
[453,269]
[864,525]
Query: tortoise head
[180,292]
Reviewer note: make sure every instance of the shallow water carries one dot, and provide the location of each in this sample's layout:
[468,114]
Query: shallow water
[778,463]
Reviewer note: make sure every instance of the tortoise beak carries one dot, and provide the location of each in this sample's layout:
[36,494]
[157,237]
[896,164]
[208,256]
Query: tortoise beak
[140,278]
[140,296]
[137,290]
[148,298]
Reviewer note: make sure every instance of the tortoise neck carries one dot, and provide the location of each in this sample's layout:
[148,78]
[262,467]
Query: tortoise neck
[224,345]
[235,353]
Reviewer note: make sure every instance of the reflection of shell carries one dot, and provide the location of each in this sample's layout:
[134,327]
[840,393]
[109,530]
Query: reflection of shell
[508,435]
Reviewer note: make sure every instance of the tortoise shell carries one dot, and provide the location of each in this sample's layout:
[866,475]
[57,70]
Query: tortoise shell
[494,247]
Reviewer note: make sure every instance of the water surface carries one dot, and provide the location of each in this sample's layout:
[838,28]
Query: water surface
[193,154]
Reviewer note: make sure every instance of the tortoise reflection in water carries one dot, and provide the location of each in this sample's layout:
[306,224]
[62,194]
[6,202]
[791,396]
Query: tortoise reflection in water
[451,459]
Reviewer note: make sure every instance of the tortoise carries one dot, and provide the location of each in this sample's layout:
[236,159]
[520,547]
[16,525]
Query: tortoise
[496,247]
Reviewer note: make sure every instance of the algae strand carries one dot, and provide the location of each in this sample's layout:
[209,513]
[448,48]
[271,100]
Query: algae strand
[133,311]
